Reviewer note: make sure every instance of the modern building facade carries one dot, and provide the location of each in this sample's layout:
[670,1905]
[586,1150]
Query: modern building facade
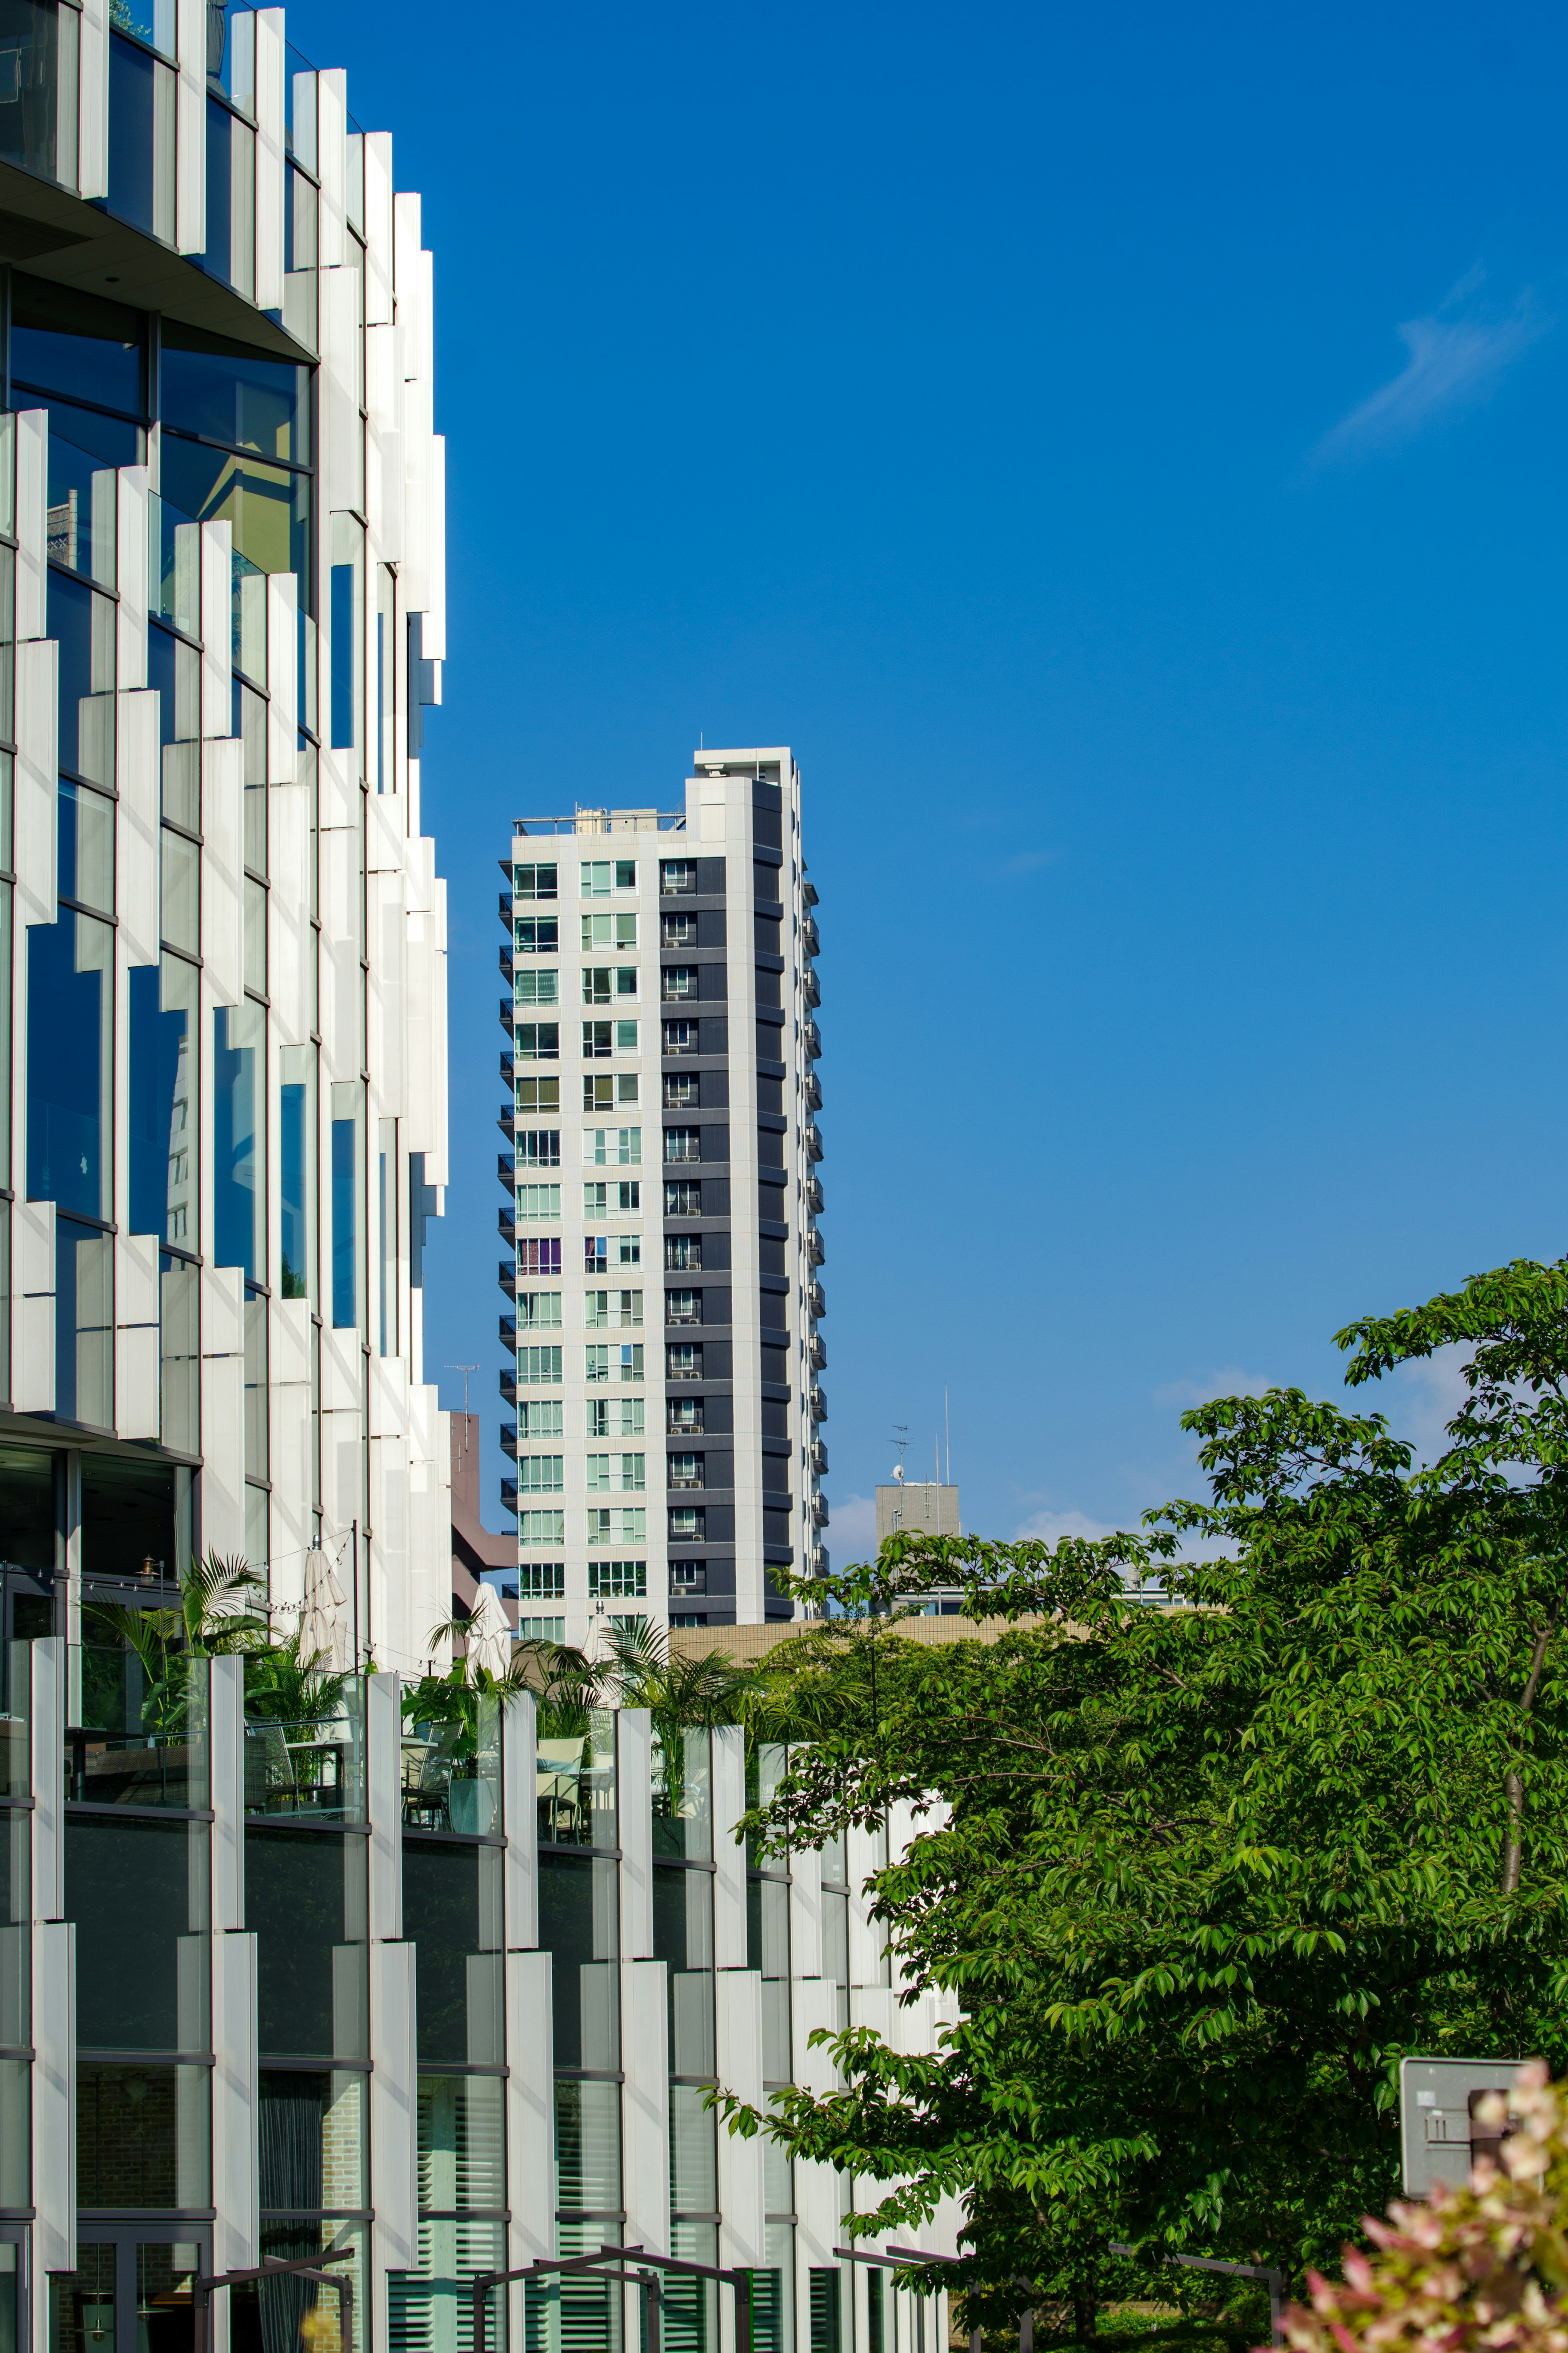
[222,937]
[308,1978]
[662,1206]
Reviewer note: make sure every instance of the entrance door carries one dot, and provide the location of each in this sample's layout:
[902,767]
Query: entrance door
[13,2287]
[130,2290]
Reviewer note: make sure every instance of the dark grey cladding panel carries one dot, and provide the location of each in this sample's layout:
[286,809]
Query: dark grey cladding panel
[712,989]
[716,1141]
[720,1573]
[713,1033]
[715,1254]
[722,1524]
[711,932]
[775,1416]
[718,1417]
[721,1470]
[718,1360]
[769,1017]
[770,1226]
[709,878]
[771,1176]
[765,934]
[767,820]
[769,1150]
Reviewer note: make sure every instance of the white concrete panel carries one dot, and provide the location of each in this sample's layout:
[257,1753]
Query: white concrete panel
[222,1486]
[867,1937]
[34,819]
[237,2232]
[217,628]
[46,1744]
[292,1447]
[394,2084]
[292,937]
[738,2010]
[222,871]
[227,1718]
[338,867]
[136,1366]
[378,228]
[729,1857]
[812,2005]
[92,99]
[54,2098]
[131,576]
[270,175]
[384,1764]
[283,678]
[332,140]
[136,814]
[339,400]
[519,1817]
[634,1770]
[32,522]
[191,130]
[531,2109]
[817,2196]
[32,1301]
[645,2102]
[805,1913]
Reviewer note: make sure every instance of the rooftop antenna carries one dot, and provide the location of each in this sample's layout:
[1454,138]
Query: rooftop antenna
[465,1370]
[901,1440]
[947,1432]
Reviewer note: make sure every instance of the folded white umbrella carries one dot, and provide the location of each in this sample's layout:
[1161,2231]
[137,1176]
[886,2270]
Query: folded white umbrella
[324,1629]
[487,1633]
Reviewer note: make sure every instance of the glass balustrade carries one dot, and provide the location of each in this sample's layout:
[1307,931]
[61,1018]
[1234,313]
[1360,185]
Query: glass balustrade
[81,504]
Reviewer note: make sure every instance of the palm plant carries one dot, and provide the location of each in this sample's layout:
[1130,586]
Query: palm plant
[676,1692]
[209,1618]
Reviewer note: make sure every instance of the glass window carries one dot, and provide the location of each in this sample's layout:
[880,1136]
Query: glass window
[539,1474]
[312,2141]
[85,870]
[269,507]
[587,2146]
[164,1127]
[347,616]
[541,1419]
[180,880]
[452,1915]
[538,1365]
[387,1225]
[70,1061]
[536,934]
[136,1892]
[297,1154]
[538,1203]
[537,987]
[538,1256]
[533,882]
[577,1905]
[228,393]
[346,1116]
[128,1516]
[538,1041]
[539,1310]
[143,2139]
[610,931]
[305,1897]
[66,341]
[83,624]
[141,139]
[240,1141]
[79,517]
[538,1147]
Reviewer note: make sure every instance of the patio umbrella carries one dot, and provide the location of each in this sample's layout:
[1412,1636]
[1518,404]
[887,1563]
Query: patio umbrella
[487,1634]
[323,1634]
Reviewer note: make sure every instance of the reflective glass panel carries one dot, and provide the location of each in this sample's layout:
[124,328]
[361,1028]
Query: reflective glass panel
[269,507]
[144,2136]
[70,343]
[29,60]
[84,1325]
[297,1156]
[452,1914]
[228,393]
[83,624]
[577,1905]
[305,1898]
[239,1144]
[161,1140]
[312,2141]
[135,1890]
[85,822]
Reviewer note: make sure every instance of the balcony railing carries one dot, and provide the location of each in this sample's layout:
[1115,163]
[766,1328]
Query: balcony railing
[604,820]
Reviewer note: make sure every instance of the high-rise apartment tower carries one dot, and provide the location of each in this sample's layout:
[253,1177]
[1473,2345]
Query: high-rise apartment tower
[663,1199]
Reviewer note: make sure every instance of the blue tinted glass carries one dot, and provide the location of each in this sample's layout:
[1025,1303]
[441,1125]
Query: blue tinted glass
[345,1308]
[291,1143]
[236,1139]
[158,1044]
[130,138]
[85,635]
[208,385]
[68,1032]
[84,1323]
[27,120]
[215,261]
[342,612]
[65,342]
[267,508]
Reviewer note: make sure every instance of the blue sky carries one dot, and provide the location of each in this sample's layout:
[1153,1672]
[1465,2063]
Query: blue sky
[1123,451]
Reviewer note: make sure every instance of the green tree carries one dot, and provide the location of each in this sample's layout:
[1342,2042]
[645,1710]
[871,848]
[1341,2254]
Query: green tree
[1200,1876]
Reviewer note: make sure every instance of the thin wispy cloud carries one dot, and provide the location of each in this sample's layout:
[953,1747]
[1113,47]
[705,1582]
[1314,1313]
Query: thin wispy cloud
[1456,356]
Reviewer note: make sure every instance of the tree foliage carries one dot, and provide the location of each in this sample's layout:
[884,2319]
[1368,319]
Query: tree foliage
[1200,1876]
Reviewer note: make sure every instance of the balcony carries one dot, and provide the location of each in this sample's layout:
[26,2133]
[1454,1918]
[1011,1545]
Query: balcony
[818,1502]
[816,1249]
[815,1200]
[808,892]
[606,820]
[506,1167]
[818,1456]
[812,937]
[819,1403]
[816,1299]
[812,1140]
[506,963]
[509,1438]
[507,1226]
[509,1336]
[508,1384]
[509,1496]
[507,1277]
[813,1091]
[816,1354]
[507,1123]
[813,1041]
[509,1069]
[813,986]
[508,1014]
[505,909]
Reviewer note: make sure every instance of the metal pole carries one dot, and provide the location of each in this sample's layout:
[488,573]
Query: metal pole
[740,2282]
[654,2293]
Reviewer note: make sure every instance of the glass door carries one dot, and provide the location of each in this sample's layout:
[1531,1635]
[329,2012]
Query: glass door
[130,2293]
[13,2287]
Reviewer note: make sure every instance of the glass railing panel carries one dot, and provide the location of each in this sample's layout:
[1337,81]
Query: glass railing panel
[304,1740]
[231,53]
[80,520]
[249,600]
[138,1729]
[299,107]
[451,1765]
[174,567]
[15,1713]
[682,1795]
[575,1784]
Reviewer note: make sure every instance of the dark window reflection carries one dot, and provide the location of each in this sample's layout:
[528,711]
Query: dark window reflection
[141,1958]
[305,1898]
[74,343]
